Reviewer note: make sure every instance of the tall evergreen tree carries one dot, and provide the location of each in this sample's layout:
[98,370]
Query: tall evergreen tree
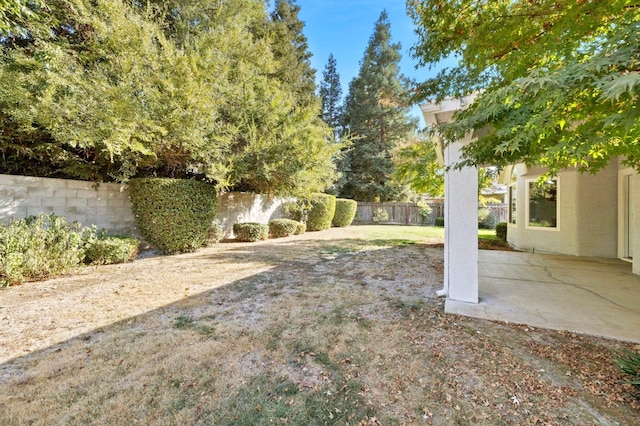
[377,118]
[291,51]
[331,97]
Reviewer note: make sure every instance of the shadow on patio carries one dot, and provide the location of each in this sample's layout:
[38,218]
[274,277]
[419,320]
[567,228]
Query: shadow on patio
[595,296]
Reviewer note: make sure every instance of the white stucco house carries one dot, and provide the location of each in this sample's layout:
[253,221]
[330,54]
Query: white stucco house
[581,214]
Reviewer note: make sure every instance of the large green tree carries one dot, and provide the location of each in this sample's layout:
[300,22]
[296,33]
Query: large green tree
[417,166]
[377,118]
[112,90]
[558,81]
[291,51]
[331,97]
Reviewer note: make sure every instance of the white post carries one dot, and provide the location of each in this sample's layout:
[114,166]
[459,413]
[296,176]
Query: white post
[461,230]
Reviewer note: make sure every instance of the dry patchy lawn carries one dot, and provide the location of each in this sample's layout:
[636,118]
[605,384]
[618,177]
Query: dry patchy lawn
[333,327]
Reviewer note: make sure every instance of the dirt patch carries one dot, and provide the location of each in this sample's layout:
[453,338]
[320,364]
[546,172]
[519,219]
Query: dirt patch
[333,327]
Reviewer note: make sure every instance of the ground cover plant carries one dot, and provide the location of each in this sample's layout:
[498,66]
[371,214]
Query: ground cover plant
[335,327]
[43,246]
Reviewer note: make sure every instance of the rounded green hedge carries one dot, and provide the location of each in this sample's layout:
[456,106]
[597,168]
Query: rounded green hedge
[250,231]
[175,215]
[301,228]
[279,228]
[322,207]
[345,212]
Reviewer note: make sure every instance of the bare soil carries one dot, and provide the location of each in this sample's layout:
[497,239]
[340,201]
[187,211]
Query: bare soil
[334,327]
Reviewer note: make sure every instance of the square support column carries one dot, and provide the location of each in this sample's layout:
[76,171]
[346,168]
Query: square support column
[461,230]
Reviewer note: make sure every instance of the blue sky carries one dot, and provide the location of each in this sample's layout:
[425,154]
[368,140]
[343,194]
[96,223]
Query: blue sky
[343,27]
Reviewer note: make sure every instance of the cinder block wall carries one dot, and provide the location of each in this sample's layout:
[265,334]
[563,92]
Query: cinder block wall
[105,205]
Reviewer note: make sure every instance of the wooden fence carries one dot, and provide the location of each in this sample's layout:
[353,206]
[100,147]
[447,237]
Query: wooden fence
[409,213]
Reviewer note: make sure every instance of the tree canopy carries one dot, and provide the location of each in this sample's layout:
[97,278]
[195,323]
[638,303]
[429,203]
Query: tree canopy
[377,119]
[557,81]
[181,88]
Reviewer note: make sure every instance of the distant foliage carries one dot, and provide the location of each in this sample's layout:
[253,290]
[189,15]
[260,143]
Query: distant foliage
[501,231]
[486,219]
[174,215]
[380,215]
[106,250]
[250,231]
[321,211]
[345,212]
[439,221]
[279,228]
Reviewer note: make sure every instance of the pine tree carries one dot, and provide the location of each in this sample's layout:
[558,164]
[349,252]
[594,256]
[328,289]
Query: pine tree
[291,51]
[377,118]
[331,97]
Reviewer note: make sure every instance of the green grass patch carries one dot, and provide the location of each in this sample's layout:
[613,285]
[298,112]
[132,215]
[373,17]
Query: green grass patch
[188,323]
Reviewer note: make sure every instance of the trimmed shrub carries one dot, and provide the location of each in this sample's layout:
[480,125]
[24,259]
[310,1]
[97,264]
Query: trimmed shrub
[36,248]
[322,207]
[486,219]
[250,231]
[439,221]
[216,234]
[174,215]
[279,228]
[301,228]
[105,250]
[345,212]
[501,231]
[294,210]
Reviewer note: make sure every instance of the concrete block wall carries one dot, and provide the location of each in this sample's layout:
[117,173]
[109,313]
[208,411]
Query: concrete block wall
[240,207]
[105,205]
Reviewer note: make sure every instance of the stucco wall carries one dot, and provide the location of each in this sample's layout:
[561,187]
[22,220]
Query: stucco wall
[238,207]
[597,213]
[105,205]
[587,215]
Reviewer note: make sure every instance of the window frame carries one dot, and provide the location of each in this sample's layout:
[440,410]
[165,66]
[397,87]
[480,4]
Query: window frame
[528,206]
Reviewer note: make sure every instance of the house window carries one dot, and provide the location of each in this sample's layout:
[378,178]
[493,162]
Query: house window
[543,204]
[512,204]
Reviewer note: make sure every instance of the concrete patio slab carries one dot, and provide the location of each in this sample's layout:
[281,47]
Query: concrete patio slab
[595,296]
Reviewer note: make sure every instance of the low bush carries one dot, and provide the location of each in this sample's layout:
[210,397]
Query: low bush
[322,208]
[279,228]
[501,231]
[295,210]
[216,234]
[439,221]
[106,250]
[250,231]
[301,228]
[345,212]
[174,215]
[39,247]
